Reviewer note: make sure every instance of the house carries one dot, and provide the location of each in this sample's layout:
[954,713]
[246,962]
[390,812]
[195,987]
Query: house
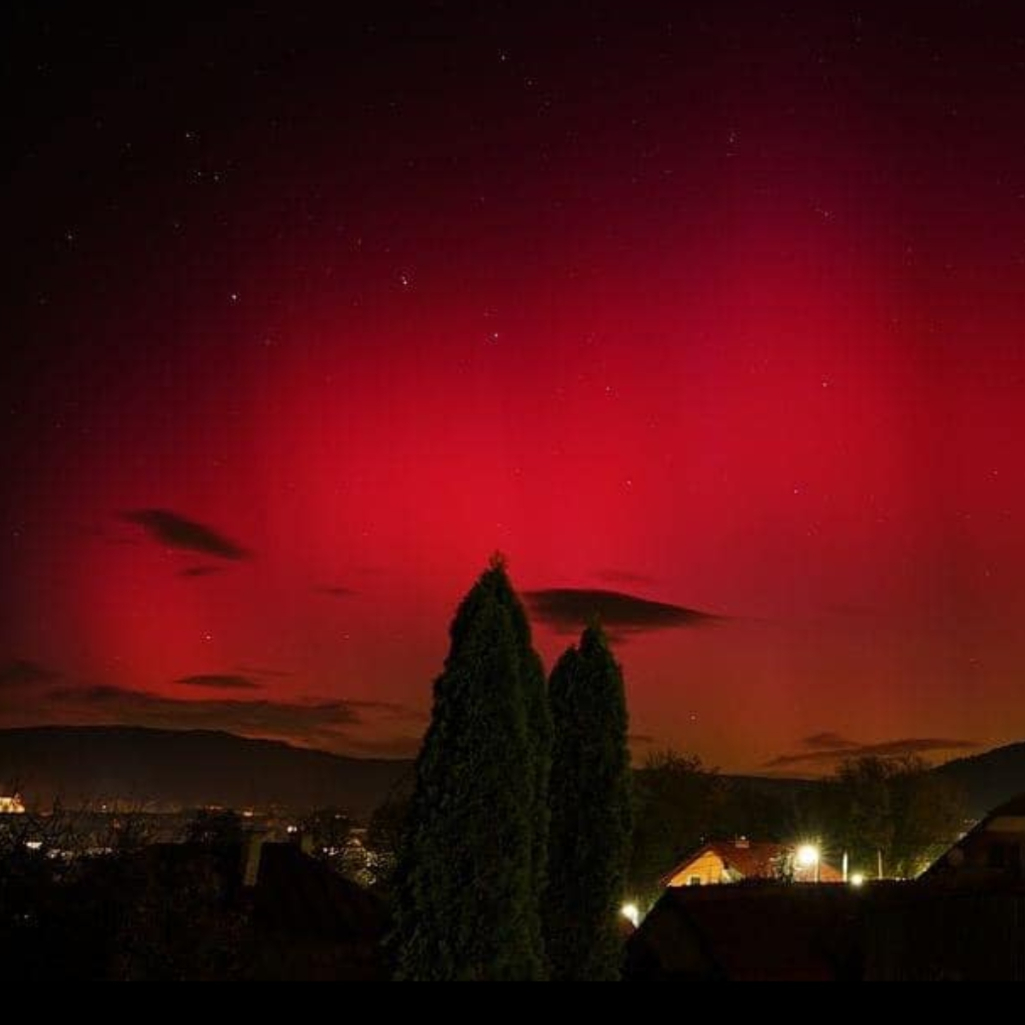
[769,932]
[994,851]
[886,931]
[963,919]
[736,860]
[310,923]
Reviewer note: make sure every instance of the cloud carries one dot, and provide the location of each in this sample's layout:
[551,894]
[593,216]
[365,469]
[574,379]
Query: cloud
[195,572]
[294,720]
[175,531]
[332,725]
[21,672]
[337,592]
[219,682]
[829,742]
[826,755]
[570,609]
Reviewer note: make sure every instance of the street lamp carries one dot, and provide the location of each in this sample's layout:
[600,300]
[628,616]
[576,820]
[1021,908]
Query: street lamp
[808,857]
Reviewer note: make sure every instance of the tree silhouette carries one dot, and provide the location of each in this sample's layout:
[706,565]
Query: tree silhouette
[467,903]
[591,813]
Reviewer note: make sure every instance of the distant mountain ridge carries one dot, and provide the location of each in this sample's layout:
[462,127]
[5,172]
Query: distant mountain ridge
[989,779]
[159,769]
[165,768]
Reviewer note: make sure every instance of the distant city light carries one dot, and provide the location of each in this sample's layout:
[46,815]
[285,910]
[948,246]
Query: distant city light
[11,805]
[632,913]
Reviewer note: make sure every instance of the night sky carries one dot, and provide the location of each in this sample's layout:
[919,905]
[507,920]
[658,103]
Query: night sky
[707,315]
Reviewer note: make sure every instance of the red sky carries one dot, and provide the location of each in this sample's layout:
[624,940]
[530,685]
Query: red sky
[722,313]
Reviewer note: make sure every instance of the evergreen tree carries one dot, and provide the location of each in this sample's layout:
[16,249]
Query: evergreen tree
[539,739]
[589,794]
[466,885]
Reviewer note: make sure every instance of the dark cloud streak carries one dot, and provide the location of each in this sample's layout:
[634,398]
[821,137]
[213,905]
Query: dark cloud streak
[219,681]
[197,572]
[324,724]
[569,609]
[306,722]
[822,742]
[176,531]
[21,672]
[827,754]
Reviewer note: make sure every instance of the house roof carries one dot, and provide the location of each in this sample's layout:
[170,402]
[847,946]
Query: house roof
[886,931]
[750,860]
[952,862]
[1012,808]
[301,896]
[762,933]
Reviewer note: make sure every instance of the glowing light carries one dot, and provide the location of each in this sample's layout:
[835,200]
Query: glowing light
[807,855]
[857,880]
[632,913]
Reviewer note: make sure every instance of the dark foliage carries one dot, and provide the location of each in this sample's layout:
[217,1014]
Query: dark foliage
[591,813]
[893,811]
[467,905]
[678,806]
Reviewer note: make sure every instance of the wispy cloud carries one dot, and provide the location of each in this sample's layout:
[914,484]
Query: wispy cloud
[569,609]
[829,742]
[197,572]
[331,725]
[219,681]
[176,531]
[21,672]
[837,748]
[296,720]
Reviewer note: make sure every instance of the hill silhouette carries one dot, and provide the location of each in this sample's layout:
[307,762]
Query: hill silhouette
[163,769]
[989,779]
[91,765]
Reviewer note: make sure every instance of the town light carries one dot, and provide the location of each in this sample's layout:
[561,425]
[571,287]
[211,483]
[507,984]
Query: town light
[632,913]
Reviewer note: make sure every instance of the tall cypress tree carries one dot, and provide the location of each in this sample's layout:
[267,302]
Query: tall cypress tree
[591,819]
[539,739]
[466,894]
